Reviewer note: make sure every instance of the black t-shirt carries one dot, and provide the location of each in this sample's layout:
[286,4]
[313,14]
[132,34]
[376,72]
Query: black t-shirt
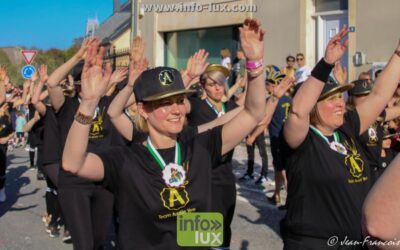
[52,149]
[5,126]
[5,130]
[201,112]
[371,141]
[326,188]
[385,161]
[102,133]
[280,116]
[147,206]
[35,135]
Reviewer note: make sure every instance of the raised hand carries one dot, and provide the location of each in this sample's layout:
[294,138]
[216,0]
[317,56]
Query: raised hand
[34,76]
[340,73]
[135,69]
[118,75]
[43,73]
[252,39]
[81,54]
[335,48]
[283,86]
[137,49]
[3,73]
[197,63]
[94,81]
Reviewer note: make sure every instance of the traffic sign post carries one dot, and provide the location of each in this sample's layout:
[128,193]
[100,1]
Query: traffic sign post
[27,71]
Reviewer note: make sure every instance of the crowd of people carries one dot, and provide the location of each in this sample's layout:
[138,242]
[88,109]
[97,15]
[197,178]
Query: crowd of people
[129,149]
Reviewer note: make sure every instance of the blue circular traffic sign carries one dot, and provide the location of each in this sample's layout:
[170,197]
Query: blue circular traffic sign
[27,71]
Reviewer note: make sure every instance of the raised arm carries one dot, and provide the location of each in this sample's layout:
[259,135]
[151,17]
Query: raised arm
[117,76]
[3,75]
[36,102]
[252,42]
[239,83]
[381,217]
[195,67]
[53,83]
[94,83]
[125,97]
[340,73]
[297,125]
[29,125]
[382,92]
[272,103]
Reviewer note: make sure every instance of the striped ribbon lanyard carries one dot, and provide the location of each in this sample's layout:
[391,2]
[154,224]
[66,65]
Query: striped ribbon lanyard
[159,159]
[335,145]
[219,113]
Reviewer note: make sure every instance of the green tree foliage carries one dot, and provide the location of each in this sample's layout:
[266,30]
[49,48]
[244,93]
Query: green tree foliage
[53,58]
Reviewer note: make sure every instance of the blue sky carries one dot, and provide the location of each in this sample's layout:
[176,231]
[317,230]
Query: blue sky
[48,23]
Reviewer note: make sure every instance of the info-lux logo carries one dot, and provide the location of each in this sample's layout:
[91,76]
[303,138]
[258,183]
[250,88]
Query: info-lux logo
[200,229]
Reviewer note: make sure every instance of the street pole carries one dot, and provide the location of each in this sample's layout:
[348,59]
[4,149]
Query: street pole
[134,18]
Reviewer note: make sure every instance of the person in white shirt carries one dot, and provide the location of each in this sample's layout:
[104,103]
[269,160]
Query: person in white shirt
[303,71]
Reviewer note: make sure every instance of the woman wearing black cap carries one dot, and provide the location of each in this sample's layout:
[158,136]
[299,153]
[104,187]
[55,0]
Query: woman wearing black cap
[328,174]
[148,200]
[371,139]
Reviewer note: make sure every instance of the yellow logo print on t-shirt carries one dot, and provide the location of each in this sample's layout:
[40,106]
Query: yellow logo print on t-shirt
[96,130]
[354,161]
[175,198]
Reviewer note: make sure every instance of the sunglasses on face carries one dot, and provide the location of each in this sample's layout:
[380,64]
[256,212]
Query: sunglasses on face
[299,59]
[290,60]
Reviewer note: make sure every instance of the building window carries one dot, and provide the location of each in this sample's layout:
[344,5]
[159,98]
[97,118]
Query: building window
[330,5]
[180,45]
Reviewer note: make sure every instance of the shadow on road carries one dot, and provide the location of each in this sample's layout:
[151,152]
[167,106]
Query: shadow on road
[269,214]
[14,182]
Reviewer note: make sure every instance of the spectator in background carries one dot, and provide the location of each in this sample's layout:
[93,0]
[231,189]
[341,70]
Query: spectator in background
[304,71]
[19,128]
[240,66]
[226,58]
[289,69]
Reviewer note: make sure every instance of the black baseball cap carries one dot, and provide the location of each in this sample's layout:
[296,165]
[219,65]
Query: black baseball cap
[331,87]
[361,87]
[159,83]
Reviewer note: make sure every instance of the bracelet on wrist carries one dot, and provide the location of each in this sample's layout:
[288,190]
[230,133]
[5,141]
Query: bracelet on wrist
[322,70]
[83,119]
[250,65]
[255,72]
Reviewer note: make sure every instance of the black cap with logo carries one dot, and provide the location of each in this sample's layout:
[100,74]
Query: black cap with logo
[361,87]
[331,87]
[159,83]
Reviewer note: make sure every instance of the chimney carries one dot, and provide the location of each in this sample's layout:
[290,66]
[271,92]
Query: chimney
[117,6]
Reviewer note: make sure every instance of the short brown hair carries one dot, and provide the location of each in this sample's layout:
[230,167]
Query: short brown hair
[363,74]
[225,52]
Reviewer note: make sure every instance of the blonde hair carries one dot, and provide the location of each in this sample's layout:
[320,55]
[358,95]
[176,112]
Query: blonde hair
[140,123]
